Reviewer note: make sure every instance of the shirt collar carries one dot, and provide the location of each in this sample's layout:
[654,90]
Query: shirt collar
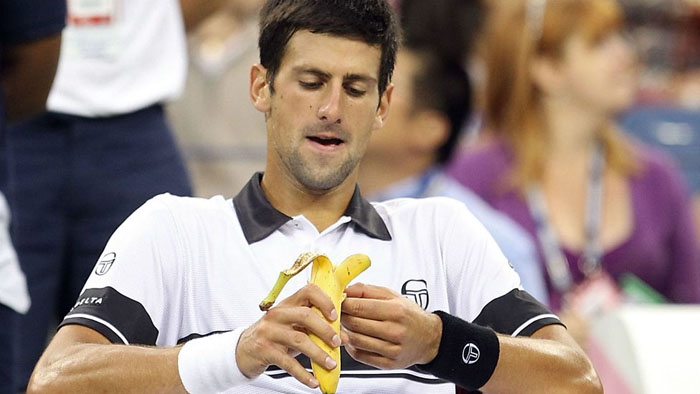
[259,218]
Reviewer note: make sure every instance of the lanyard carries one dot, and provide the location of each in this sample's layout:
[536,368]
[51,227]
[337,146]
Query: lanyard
[555,260]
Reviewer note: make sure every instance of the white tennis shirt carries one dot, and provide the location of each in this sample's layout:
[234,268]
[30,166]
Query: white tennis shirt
[180,268]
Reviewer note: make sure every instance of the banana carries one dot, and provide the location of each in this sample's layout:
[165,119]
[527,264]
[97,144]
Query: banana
[332,280]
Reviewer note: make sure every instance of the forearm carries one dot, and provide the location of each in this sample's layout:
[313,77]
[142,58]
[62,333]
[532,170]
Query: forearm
[93,368]
[28,71]
[475,357]
[528,365]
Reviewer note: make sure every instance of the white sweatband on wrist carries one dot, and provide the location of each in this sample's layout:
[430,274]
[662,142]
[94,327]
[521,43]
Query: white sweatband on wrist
[208,365]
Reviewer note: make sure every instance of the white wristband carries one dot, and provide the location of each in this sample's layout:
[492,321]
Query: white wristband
[208,364]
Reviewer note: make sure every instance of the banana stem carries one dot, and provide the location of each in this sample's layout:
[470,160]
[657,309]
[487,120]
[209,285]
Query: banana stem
[282,280]
[299,264]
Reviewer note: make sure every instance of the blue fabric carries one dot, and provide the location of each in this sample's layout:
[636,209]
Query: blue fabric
[25,20]
[675,130]
[8,319]
[514,242]
[72,182]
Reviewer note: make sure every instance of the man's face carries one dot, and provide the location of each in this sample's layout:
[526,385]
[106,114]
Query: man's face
[323,109]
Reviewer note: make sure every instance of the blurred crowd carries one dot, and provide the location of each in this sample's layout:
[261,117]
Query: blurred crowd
[569,128]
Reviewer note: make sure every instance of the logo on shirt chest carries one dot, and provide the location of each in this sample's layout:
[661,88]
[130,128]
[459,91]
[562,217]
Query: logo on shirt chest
[416,290]
[105,263]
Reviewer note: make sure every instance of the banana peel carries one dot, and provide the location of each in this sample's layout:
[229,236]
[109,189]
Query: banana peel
[332,280]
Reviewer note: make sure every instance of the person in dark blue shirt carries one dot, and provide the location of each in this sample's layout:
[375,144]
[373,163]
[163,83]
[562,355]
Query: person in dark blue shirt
[30,40]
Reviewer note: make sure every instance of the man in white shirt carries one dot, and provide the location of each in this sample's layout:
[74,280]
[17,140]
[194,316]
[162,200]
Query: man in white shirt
[193,271]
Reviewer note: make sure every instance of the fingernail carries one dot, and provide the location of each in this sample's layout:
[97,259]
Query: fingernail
[336,341]
[313,382]
[334,315]
[330,363]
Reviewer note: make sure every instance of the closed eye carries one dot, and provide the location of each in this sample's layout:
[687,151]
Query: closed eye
[355,92]
[310,85]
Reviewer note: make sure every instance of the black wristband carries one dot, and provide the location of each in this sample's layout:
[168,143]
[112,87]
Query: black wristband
[467,355]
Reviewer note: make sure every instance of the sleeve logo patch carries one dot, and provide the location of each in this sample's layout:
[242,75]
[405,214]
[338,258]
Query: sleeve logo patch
[88,301]
[105,263]
[470,354]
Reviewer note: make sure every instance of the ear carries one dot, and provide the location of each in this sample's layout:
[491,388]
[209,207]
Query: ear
[428,131]
[547,75]
[383,109]
[260,88]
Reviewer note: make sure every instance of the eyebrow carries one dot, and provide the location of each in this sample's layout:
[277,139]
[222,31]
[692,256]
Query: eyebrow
[325,75]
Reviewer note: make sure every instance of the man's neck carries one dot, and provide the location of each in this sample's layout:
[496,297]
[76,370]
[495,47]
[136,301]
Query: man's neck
[377,172]
[321,208]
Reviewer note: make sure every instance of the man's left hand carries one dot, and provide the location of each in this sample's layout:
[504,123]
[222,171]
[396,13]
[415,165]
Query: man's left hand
[386,330]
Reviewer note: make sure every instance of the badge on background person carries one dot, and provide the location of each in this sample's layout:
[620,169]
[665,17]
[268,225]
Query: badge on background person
[92,30]
[596,295]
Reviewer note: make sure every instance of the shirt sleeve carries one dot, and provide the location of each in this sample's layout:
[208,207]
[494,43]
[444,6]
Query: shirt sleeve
[487,289]
[126,296]
[26,20]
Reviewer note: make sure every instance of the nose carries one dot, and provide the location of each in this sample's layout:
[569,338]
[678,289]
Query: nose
[330,109]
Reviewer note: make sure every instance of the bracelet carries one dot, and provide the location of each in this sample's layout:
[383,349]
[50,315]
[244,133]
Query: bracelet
[467,355]
[208,364]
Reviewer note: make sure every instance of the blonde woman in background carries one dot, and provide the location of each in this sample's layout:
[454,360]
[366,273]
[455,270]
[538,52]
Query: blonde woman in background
[599,204]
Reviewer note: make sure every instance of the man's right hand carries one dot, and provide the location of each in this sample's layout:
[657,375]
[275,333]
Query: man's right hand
[282,333]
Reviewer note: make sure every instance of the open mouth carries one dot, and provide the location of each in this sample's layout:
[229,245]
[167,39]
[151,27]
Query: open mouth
[326,141]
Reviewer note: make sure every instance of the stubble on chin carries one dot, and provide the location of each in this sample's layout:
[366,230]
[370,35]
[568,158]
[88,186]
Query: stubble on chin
[318,177]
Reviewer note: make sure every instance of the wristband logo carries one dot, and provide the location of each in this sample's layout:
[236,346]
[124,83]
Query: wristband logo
[470,354]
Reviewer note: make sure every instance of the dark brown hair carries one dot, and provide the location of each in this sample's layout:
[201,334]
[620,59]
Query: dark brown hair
[371,21]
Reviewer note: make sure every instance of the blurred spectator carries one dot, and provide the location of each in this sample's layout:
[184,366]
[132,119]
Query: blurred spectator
[216,99]
[599,204]
[104,148]
[30,40]
[430,104]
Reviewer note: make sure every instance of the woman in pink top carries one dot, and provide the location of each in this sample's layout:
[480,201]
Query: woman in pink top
[599,204]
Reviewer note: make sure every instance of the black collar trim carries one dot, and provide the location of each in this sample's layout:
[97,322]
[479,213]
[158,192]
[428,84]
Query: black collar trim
[259,218]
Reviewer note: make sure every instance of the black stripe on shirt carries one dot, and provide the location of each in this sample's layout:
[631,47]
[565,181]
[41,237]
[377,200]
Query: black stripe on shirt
[509,312]
[349,364]
[196,335]
[107,305]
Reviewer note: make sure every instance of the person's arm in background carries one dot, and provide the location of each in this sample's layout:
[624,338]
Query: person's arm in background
[30,40]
